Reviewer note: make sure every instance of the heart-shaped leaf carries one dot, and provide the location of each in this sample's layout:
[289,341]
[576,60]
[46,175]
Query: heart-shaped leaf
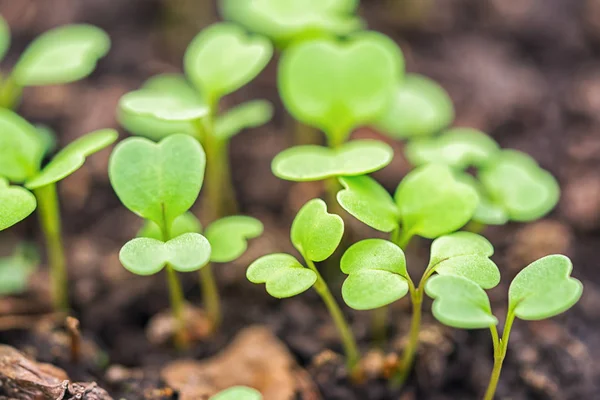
[4,37]
[544,289]
[283,275]
[459,302]
[432,202]
[16,269]
[369,202]
[458,148]
[185,223]
[61,55]
[487,212]
[21,151]
[223,57]
[420,107]
[237,393]
[376,272]
[338,85]
[316,233]
[514,180]
[313,163]
[228,236]
[16,204]
[185,253]
[465,254]
[158,181]
[247,115]
[72,157]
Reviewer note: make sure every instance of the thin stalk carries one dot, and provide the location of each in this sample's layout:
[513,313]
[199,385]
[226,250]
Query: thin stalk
[210,296]
[49,215]
[10,93]
[348,340]
[500,348]
[410,350]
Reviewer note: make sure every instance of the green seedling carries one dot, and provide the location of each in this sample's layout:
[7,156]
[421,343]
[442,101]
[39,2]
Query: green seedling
[61,55]
[219,60]
[238,393]
[160,182]
[541,290]
[377,277]
[16,269]
[420,108]
[22,149]
[315,234]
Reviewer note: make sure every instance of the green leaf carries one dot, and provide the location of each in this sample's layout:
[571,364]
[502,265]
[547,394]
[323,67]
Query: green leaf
[228,236]
[237,393]
[185,253]
[313,163]
[251,114]
[4,37]
[315,232]
[337,85]
[223,57]
[16,269]
[376,272]
[369,202]
[283,275]
[185,223]
[432,202]
[514,180]
[458,148]
[465,254]
[459,302]
[420,107]
[544,289]
[487,212]
[16,204]
[72,157]
[21,151]
[46,138]
[61,55]
[158,181]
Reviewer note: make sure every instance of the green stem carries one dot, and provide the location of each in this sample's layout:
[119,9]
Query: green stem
[10,93]
[410,350]
[49,214]
[348,340]
[210,296]
[500,348]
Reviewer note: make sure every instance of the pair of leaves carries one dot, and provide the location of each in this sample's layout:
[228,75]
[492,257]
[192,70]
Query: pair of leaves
[238,393]
[338,85]
[429,202]
[315,234]
[312,163]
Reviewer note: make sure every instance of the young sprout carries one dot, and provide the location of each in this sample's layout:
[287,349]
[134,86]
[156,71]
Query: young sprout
[377,276]
[22,149]
[315,234]
[16,269]
[61,55]
[160,182]
[541,290]
[238,393]
[219,60]
[420,108]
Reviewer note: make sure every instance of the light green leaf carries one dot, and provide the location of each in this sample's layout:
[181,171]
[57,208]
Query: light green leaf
[61,55]
[487,212]
[458,148]
[313,163]
[459,302]
[432,202]
[16,269]
[16,204]
[237,393]
[185,223]
[315,232]
[526,191]
[337,85]
[4,37]
[223,57]
[186,253]
[47,138]
[420,107]
[21,151]
[158,181]
[376,272]
[251,114]
[369,202]
[72,157]
[544,289]
[283,275]
[228,236]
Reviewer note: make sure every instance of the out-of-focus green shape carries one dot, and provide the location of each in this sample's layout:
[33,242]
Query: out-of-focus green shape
[229,236]
[282,275]
[337,85]
[4,37]
[247,115]
[487,212]
[47,138]
[238,393]
[458,148]
[291,21]
[16,269]
[61,55]
[420,107]
[185,223]
[21,151]
[16,204]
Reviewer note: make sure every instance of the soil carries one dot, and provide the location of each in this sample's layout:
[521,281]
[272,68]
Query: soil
[527,72]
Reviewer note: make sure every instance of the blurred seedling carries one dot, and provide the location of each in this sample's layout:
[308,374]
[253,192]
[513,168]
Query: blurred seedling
[22,150]
[238,393]
[541,290]
[160,182]
[377,277]
[219,60]
[315,234]
[16,269]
